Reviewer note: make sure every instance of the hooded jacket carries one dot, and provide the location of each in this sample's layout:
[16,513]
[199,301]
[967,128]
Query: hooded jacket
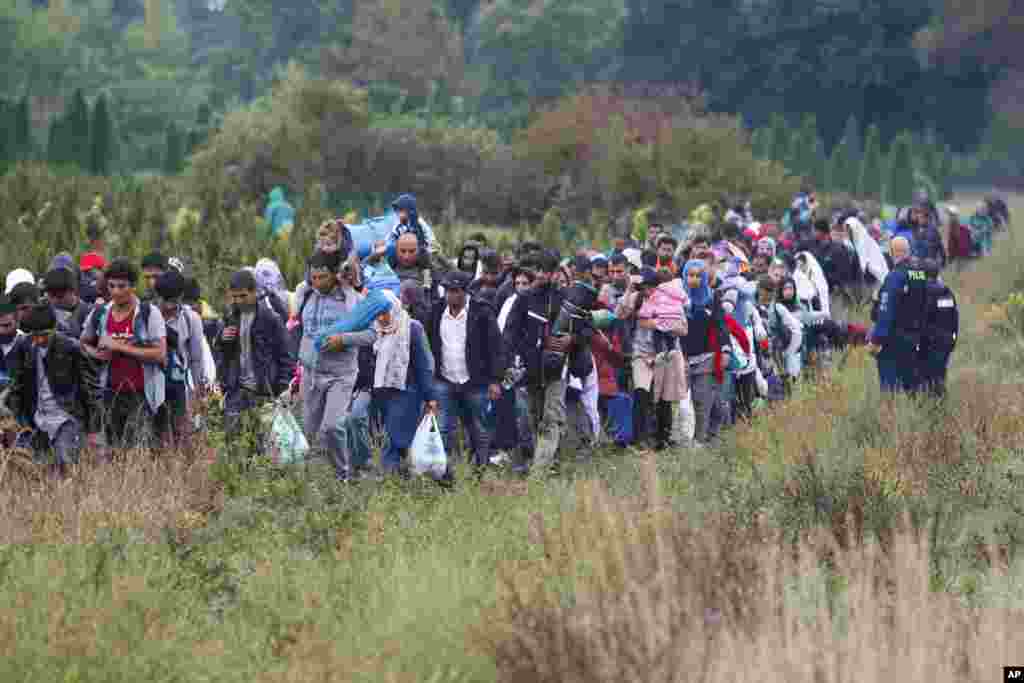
[279,215]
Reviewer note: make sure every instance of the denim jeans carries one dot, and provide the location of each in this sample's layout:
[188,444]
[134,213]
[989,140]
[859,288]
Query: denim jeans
[468,403]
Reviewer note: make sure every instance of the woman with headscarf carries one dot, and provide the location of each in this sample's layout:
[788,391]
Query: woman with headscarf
[702,346]
[403,372]
[869,253]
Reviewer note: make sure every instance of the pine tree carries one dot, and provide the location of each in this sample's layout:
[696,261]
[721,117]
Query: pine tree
[900,186]
[7,142]
[174,154]
[79,151]
[101,134]
[760,142]
[828,180]
[22,130]
[803,152]
[780,139]
[56,143]
[869,183]
[851,134]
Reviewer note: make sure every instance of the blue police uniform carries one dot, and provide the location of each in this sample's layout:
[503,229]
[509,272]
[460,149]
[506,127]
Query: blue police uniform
[898,327]
[941,327]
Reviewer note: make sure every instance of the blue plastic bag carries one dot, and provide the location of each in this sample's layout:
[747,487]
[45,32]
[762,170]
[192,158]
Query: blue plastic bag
[620,417]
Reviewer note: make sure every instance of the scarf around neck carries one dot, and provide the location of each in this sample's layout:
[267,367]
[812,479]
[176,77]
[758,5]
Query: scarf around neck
[393,347]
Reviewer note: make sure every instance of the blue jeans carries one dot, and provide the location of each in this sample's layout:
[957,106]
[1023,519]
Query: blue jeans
[468,403]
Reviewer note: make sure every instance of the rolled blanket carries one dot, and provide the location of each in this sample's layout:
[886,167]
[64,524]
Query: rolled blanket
[360,318]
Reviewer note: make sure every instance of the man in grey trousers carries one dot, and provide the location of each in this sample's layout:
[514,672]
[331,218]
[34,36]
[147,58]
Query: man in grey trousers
[327,382]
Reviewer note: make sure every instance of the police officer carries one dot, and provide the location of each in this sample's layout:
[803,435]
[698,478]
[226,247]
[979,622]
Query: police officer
[941,327]
[895,339]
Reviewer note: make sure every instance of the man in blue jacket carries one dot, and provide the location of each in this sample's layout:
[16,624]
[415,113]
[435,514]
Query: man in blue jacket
[896,337]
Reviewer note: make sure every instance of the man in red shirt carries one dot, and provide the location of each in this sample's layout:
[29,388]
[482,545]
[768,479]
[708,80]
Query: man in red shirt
[130,338]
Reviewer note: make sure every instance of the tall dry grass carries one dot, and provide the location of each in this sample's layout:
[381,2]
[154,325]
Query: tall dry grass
[633,591]
[146,492]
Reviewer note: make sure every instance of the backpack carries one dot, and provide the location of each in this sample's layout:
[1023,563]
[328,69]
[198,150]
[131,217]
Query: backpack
[88,285]
[144,311]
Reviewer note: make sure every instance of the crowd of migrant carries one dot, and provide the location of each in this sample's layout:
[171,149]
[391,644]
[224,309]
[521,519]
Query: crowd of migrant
[656,343]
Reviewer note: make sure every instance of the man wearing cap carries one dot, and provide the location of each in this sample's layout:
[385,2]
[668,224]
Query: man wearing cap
[62,294]
[24,296]
[469,364]
[47,392]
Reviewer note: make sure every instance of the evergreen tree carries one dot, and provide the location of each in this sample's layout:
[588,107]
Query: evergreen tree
[900,186]
[818,161]
[828,180]
[101,134]
[760,142]
[22,125]
[869,184]
[174,153]
[803,153]
[779,138]
[945,168]
[56,143]
[79,151]
[855,146]
[7,141]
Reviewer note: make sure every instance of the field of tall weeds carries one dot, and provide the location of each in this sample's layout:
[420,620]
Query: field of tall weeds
[839,537]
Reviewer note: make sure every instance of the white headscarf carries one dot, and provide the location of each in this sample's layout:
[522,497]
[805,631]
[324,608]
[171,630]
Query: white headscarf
[392,347]
[872,260]
[816,276]
[16,277]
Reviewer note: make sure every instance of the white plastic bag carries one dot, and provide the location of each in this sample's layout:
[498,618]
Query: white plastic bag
[427,455]
[287,442]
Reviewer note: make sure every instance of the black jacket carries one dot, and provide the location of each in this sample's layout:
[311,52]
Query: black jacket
[840,265]
[485,357]
[273,365]
[529,324]
[64,365]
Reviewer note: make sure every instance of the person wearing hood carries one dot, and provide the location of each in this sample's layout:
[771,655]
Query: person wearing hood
[279,214]
[273,291]
[47,392]
[409,221]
